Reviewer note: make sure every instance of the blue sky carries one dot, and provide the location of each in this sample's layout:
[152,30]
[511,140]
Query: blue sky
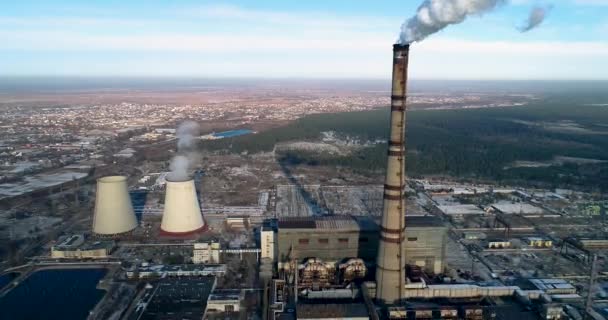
[311,39]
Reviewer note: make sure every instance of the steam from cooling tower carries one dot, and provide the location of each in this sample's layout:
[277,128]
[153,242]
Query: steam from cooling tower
[536,17]
[434,15]
[186,156]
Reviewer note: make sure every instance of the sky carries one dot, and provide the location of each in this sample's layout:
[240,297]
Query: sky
[303,39]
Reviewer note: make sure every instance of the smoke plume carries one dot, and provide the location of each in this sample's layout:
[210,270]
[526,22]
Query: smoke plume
[434,15]
[536,17]
[186,155]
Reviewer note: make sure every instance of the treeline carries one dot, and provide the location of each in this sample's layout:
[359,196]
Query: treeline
[479,143]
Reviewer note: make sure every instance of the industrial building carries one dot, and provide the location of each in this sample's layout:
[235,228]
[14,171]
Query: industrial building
[206,253]
[183,270]
[113,208]
[330,238]
[268,244]
[227,300]
[334,239]
[75,247]
[182,215]
[332,311]
[179,299]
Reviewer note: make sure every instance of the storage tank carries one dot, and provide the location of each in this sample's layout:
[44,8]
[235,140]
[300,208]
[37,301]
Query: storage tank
[113,209]
[182,214]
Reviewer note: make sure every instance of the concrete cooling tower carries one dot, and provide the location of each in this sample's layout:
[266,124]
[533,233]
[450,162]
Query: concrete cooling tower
[182,215]
[113,209]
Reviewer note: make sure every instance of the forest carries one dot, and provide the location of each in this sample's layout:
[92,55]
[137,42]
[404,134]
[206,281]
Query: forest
[464,143]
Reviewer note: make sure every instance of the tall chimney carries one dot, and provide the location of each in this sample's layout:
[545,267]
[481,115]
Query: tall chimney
[390,267]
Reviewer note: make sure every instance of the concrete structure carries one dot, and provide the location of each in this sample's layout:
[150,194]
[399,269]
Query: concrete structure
[182,214]
[329,238]
[538,242]
[184,270]
[206,253]
[336,239]
[390,265]
[75,247]
[499,244]
[332,311]
[228,300]
[460,210]
[425,243]
[113,209]
[554,286]
[177,299]
[267,243]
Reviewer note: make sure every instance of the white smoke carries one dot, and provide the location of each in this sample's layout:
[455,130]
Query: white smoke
[186,133]
[186,156]
[180,166]
[434,15]
[536,17]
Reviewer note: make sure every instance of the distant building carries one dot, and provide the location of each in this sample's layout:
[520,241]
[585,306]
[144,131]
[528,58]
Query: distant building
[178,299]
[184,270]
[538,242]
[267,242]
[206,252]
[499,244]
[75,247]
[225,300]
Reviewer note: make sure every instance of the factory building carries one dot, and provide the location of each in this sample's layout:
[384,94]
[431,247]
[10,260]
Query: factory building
[227,300]
[183,270]
[206,252]
[267,242]
[332,239]
[425,243]
[75,247]
[329,238]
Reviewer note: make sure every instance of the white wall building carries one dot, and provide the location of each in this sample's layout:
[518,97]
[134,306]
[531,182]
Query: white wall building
[206,253]
[267,243]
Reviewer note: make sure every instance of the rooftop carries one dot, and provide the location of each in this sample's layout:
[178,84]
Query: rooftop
[347,223]
[342,223]
[331,310]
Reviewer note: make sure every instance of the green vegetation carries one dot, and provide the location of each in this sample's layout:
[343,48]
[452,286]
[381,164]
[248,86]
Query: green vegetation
[470,143]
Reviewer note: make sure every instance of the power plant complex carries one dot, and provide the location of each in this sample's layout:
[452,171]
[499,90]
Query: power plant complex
[361,263]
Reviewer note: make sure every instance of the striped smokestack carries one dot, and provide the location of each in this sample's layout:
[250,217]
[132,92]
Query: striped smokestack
[390,268]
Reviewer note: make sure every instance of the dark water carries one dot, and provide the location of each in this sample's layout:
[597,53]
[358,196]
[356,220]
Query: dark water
[7,278]
[54,294]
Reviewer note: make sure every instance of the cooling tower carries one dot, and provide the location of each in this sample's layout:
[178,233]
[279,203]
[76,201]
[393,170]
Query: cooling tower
[182,215]
[113,209]
[390,265]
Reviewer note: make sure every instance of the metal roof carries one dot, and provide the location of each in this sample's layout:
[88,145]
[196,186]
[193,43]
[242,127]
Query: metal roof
[331,310]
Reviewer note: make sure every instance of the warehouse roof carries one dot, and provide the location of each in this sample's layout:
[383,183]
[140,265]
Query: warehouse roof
[342,223]
[331,311]
[348,223]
